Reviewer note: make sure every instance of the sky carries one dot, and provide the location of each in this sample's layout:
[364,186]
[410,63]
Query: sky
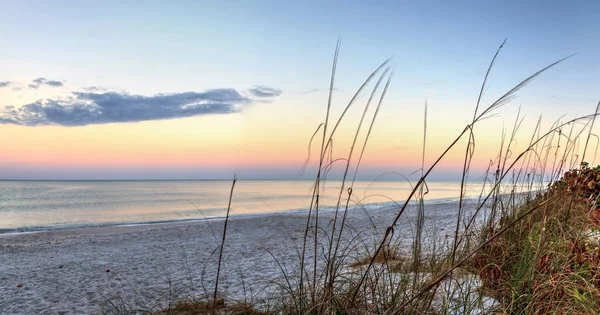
[209,89]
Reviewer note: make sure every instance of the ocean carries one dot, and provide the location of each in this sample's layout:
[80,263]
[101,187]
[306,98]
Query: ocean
[44,205]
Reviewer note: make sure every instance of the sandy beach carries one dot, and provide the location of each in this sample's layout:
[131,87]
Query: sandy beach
[77,271]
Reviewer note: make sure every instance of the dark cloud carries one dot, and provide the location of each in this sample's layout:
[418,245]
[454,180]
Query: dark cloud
[35,84]
[54,83]
[86,108]
[264,91]
[5,83]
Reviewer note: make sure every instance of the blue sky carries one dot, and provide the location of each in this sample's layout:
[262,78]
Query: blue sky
[441,50]
[233,44]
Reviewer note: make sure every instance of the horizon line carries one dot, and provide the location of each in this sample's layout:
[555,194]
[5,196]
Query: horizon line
[192,180]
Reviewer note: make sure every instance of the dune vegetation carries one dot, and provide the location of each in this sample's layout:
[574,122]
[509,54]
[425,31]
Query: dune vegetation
[529,244]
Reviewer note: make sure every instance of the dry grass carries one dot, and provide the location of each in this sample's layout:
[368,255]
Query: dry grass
[204,306]
[392,257]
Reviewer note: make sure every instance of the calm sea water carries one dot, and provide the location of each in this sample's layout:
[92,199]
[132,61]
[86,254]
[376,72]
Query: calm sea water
[42,205]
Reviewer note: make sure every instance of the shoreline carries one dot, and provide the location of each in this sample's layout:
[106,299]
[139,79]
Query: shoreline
[325,209]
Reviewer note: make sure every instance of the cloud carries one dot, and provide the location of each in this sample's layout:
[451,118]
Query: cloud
[264,91]
[312,91]
[94,89]
[5,83]
[35,84]
[87,108]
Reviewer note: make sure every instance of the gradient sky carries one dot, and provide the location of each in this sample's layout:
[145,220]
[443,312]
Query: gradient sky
[199,90]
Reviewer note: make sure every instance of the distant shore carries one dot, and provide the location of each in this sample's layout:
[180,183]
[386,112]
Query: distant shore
[75,271]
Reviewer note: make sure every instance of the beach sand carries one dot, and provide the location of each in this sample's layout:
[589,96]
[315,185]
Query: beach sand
[78,271]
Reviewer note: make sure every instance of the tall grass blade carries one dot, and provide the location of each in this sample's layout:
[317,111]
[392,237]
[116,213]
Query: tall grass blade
[587,140]
[222,245]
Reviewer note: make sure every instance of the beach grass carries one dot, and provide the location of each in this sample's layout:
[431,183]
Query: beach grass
[527,245]
[549,262]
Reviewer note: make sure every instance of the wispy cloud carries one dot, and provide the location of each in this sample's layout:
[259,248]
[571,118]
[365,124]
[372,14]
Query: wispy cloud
[37,83]
[312,91]
[264,91]
[87,108]
[5,83]
[94,89]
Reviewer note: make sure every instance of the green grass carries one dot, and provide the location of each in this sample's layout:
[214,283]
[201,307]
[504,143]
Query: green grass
[547,263]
